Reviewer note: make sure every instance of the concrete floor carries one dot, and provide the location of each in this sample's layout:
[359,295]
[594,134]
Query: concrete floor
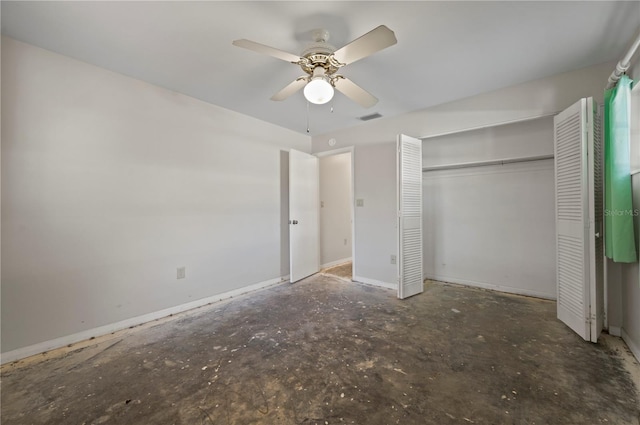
[324,351]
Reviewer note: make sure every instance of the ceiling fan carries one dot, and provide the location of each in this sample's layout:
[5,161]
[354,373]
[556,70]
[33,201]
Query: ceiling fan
[321,61]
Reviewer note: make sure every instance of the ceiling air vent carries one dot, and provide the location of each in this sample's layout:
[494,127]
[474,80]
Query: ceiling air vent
[370,117]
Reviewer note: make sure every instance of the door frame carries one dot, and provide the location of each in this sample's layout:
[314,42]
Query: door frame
[352,151]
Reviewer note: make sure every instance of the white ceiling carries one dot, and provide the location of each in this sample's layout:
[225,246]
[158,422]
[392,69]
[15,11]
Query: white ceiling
[446,50]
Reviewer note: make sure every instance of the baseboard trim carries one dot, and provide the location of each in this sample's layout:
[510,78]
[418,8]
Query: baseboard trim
[336,263]
[41,347]
[374,282]
[635,349]
[493,287]
[615,331]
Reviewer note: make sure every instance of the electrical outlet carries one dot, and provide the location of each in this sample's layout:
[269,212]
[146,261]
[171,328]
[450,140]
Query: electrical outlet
[393,259]
[345,241]
[359,202]
[321,204]
[182,272]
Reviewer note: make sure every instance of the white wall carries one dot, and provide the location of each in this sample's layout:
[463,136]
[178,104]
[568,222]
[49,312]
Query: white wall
[492,226]
[335,211]
[624,279]
[376,220]
[109,184]
[630,286]
[532,99]
[518,140]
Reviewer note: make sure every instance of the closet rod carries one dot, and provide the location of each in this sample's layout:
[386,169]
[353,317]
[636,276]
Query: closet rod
[487,163]
[624,63]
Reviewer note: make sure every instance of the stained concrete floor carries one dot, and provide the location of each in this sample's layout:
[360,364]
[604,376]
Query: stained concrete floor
[324,351]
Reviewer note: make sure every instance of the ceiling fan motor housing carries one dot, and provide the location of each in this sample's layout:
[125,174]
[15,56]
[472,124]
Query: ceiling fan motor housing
[319,53]
[308,62]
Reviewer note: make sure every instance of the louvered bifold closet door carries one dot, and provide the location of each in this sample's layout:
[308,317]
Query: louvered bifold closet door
[572,205]
[409,216]
[596,214]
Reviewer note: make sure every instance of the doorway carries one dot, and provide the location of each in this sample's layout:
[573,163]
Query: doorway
[336,213]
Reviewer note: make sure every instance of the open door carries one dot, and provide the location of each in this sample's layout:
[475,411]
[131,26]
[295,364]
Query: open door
[580,261]
[304,223]
[595,153]
[410,278]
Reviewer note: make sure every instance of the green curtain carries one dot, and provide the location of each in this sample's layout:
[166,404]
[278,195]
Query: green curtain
[619,234]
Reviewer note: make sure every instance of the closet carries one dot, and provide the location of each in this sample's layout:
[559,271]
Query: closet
[488,202]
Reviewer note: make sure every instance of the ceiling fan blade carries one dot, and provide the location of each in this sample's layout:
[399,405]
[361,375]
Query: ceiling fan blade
[355,92]
[290,89]
[271,51]
[373,41]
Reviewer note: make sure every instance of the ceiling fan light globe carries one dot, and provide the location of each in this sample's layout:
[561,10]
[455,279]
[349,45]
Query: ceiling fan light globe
[318,91]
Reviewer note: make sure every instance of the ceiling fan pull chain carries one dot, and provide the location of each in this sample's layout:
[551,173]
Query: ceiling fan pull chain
[307,116]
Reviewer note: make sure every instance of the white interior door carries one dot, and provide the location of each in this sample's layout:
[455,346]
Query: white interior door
[304,223]
[578,226]
[595,154]
[410,279]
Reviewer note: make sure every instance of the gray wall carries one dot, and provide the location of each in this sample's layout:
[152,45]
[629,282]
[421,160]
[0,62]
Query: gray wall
[335,210]
[376,220]
[492,226]
[375,154]
[109,184]
[624,279]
